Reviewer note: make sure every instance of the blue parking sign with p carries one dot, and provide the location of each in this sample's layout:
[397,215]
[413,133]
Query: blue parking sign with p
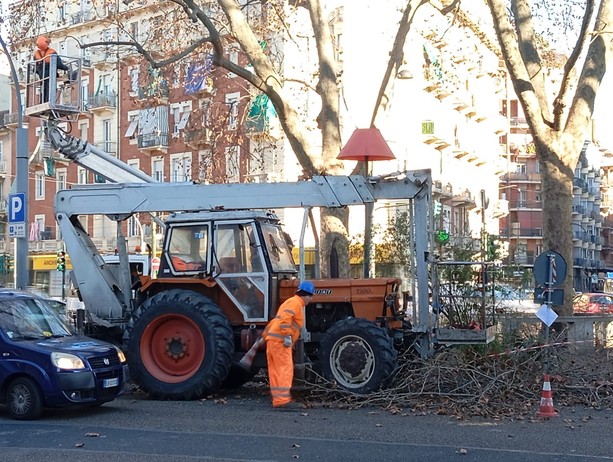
[17,208]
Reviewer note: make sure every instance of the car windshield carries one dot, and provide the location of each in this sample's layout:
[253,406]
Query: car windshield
[30,318]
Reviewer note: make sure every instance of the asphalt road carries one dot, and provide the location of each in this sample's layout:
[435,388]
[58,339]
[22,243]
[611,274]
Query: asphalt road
[242,426]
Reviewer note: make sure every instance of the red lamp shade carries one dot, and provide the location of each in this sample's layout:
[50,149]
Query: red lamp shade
[366,145]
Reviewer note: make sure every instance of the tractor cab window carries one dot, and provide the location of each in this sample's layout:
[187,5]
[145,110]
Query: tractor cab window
[239,268]
[187,248]
[278,245]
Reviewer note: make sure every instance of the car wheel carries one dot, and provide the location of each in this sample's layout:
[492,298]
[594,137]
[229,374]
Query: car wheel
[24,399]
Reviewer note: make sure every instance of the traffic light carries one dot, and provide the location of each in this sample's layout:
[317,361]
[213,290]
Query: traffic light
[437,208]
[441,236]
[8,264]
[61,260]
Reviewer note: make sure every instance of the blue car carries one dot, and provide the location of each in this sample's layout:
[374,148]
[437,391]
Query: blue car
[43,364]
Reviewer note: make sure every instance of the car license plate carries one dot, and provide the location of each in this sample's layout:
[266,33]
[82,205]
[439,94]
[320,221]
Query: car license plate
[108,383]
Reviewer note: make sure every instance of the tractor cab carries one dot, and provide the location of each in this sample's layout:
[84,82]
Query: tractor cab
[245,252]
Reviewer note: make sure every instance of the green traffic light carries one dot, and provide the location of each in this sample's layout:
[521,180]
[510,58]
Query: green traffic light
[441,236]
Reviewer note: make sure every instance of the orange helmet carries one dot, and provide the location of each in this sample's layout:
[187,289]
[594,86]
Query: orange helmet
[43,42]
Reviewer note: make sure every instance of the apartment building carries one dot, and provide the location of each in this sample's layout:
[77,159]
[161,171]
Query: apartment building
[194,122]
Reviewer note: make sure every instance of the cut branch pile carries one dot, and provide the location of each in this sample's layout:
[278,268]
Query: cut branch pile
[470,381]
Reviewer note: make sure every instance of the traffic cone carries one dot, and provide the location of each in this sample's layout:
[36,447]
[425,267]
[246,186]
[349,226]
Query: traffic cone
[546,408]
[247,360]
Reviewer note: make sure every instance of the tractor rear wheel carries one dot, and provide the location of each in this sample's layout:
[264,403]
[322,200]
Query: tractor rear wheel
[179,346]
[358,355]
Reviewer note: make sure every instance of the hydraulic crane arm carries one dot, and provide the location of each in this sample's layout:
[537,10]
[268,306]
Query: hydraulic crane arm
[90,157]
[108,299]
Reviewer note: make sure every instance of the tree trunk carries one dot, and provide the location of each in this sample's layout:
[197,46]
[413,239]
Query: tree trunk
[334,242]
[557,196]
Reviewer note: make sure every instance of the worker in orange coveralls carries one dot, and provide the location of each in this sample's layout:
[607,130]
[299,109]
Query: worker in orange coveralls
[281,334]
[42,56]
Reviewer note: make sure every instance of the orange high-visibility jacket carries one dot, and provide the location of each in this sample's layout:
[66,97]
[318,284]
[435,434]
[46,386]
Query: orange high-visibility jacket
[289,321]
[43,50]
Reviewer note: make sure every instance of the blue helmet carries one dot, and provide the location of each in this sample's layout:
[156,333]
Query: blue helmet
[307,286]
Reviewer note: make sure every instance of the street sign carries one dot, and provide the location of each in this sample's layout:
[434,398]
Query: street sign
[17,208]
[17,230]
[547,315]
[155,263]
[557,296]
[547,262]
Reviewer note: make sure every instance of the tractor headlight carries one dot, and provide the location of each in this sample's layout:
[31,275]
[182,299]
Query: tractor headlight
[67,361]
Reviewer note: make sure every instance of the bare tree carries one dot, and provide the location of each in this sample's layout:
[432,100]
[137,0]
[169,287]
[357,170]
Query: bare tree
[560,126]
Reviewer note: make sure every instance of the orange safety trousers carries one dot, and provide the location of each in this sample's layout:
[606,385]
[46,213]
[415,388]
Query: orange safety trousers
[280,372]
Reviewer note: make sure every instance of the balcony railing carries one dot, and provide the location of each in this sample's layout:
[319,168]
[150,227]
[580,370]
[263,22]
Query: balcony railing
[525,205]
[102,101]
[81,17]
[522,232]
[153,141]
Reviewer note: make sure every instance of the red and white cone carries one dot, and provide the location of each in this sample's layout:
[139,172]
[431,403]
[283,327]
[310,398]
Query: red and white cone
[546,408]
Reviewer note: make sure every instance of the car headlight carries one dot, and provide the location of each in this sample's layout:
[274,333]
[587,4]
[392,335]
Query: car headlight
[67,361]
[122,356]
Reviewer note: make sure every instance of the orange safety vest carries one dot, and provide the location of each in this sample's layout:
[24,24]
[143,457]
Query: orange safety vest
[40,54]
[289,321]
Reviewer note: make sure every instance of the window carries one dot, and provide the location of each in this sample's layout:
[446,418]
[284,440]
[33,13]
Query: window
[62,12]
[134,30]
[133,226]
[232,164]
[85,93]
[81,176]
[132,126]
[204,165]
[537,167]
[180,114]
[233,58]
[60,176]
[157,169]
[107,144]
[232,103]
[39,185]
[83,131]
[181,167]
[134,75]
[520,168]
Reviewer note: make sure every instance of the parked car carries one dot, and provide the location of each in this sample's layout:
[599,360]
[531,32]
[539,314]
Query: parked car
[593,303]
[43,364]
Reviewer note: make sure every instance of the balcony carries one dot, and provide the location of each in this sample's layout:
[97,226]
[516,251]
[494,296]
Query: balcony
[578,209]
[522,233]
[81,17]
[200,138]
[441,191]
[11,120]
[464,199]
[535,205]
[153,142]
[102,103]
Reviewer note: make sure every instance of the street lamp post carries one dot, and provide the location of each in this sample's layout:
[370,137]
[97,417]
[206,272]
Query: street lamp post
[21,179]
